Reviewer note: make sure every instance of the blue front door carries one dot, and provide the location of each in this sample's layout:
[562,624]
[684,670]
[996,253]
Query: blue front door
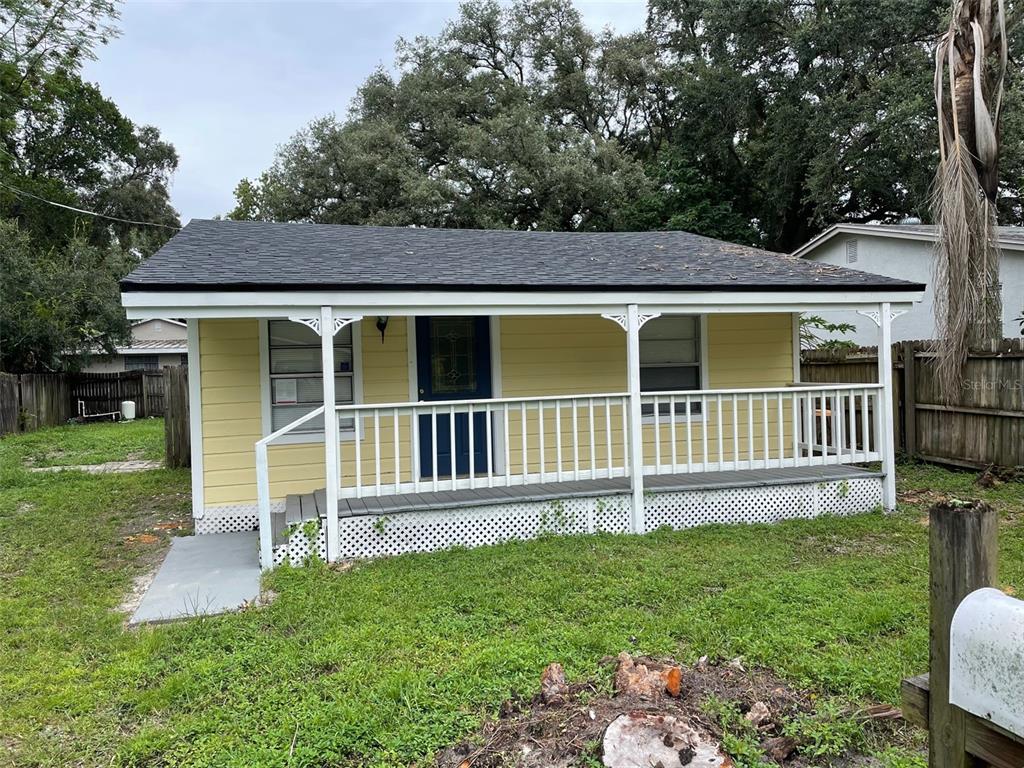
[453,357]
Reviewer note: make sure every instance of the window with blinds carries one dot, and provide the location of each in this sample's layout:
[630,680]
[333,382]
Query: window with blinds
[670,357]
[296,377]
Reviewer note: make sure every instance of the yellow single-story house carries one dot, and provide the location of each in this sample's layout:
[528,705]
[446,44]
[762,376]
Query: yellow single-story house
[490,385]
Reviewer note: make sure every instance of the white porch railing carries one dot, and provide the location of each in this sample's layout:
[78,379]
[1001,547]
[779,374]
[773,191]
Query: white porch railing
[406,447]
[263,485]
[397,448]
[715,430]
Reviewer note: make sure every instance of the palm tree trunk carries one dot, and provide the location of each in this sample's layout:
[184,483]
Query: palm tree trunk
[970,65]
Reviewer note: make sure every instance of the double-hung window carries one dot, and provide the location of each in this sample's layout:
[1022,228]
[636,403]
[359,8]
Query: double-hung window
[142,362]
[296,373]
[670,359]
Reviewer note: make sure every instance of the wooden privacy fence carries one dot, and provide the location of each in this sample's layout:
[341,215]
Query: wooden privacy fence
[29,401]
[176,435]
[983,425]
[104,392]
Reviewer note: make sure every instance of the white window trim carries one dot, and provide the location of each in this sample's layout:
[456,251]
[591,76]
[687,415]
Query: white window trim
[691,418]
[307,438]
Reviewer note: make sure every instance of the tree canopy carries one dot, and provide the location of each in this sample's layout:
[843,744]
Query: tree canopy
[63,143]
[760,122]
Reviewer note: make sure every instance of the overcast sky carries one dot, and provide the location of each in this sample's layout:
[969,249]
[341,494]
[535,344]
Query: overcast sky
[227,82]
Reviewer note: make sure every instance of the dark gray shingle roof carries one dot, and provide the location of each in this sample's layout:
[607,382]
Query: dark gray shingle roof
[242,255]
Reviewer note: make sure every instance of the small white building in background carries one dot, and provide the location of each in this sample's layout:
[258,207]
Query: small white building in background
[906,251]
[156,343]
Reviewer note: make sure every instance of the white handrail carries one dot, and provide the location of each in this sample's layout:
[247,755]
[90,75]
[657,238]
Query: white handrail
[290,426]
[263,485]
[487,401]
[763,390]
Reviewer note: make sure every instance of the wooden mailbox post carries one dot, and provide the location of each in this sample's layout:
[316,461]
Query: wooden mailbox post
[962,559]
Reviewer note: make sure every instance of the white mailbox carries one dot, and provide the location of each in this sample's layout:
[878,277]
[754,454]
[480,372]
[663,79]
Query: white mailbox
[986,665]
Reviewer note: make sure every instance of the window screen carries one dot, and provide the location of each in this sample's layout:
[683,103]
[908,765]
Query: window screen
[670,357]
[296,378]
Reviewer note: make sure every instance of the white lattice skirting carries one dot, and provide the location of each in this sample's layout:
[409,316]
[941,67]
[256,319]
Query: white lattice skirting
[232,518]
[379,535]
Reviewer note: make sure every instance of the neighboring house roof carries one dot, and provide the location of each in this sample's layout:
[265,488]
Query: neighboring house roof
[154,346]
[1010,238]
[245,255]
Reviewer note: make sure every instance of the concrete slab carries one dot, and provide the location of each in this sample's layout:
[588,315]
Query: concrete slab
[202,576]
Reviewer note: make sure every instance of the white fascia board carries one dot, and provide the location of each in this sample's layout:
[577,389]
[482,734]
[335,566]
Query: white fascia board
[879,230]
[869,230]
[213,304]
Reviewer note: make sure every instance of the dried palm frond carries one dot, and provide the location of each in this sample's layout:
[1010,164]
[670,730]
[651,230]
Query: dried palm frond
[971,57]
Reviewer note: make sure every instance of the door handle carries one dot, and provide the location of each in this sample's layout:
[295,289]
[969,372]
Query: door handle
[421,391]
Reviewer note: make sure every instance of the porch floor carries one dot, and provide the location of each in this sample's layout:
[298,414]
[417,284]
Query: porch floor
[311,505]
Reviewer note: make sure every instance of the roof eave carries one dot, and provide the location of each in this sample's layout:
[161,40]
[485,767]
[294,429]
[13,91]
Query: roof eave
[267,303]
[881,230]
[129,286]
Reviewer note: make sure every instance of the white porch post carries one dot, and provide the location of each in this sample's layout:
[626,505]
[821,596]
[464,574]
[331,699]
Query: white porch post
[885,379]
[331,432]
[636,447]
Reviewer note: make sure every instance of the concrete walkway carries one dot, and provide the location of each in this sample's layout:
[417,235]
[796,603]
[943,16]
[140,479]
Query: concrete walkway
[203,575]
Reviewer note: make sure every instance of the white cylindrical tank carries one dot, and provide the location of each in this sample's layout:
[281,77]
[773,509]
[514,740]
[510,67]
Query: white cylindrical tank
[986,658]
[127,410]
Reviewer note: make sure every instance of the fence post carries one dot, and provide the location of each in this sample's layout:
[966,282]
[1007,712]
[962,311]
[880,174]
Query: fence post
[962,553]
[144,397]
[176,417]
[909,400]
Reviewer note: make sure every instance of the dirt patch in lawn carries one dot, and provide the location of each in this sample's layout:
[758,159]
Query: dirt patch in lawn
[744,710]
[143,538]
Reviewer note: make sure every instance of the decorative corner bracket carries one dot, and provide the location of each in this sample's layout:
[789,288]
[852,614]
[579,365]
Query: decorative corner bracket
[314,322]
[872,314]
[621,320]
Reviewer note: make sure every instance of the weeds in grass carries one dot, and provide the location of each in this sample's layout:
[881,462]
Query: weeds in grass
[396,658]
[739,736]
[827,732]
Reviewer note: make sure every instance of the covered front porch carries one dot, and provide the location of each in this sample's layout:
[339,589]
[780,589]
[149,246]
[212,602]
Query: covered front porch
[446,470]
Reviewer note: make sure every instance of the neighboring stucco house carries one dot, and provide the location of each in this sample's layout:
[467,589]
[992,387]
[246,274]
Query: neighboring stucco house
[492,385]
[906,251]
[156,343]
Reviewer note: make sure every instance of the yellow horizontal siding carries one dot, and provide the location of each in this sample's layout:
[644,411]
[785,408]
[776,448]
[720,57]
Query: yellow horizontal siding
[561,356]
[232,419]
[539,356]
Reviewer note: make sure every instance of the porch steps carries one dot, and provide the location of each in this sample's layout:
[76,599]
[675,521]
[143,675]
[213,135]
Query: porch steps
[298,509]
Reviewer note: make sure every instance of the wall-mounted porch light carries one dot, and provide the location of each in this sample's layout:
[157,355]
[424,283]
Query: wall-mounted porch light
[382,325]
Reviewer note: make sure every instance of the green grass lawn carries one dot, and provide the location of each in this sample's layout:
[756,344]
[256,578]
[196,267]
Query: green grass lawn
[92,444]
[394,659]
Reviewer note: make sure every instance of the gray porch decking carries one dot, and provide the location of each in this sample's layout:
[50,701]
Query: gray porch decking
[300,508]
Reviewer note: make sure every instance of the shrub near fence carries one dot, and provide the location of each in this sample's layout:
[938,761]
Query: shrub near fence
[982,425]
